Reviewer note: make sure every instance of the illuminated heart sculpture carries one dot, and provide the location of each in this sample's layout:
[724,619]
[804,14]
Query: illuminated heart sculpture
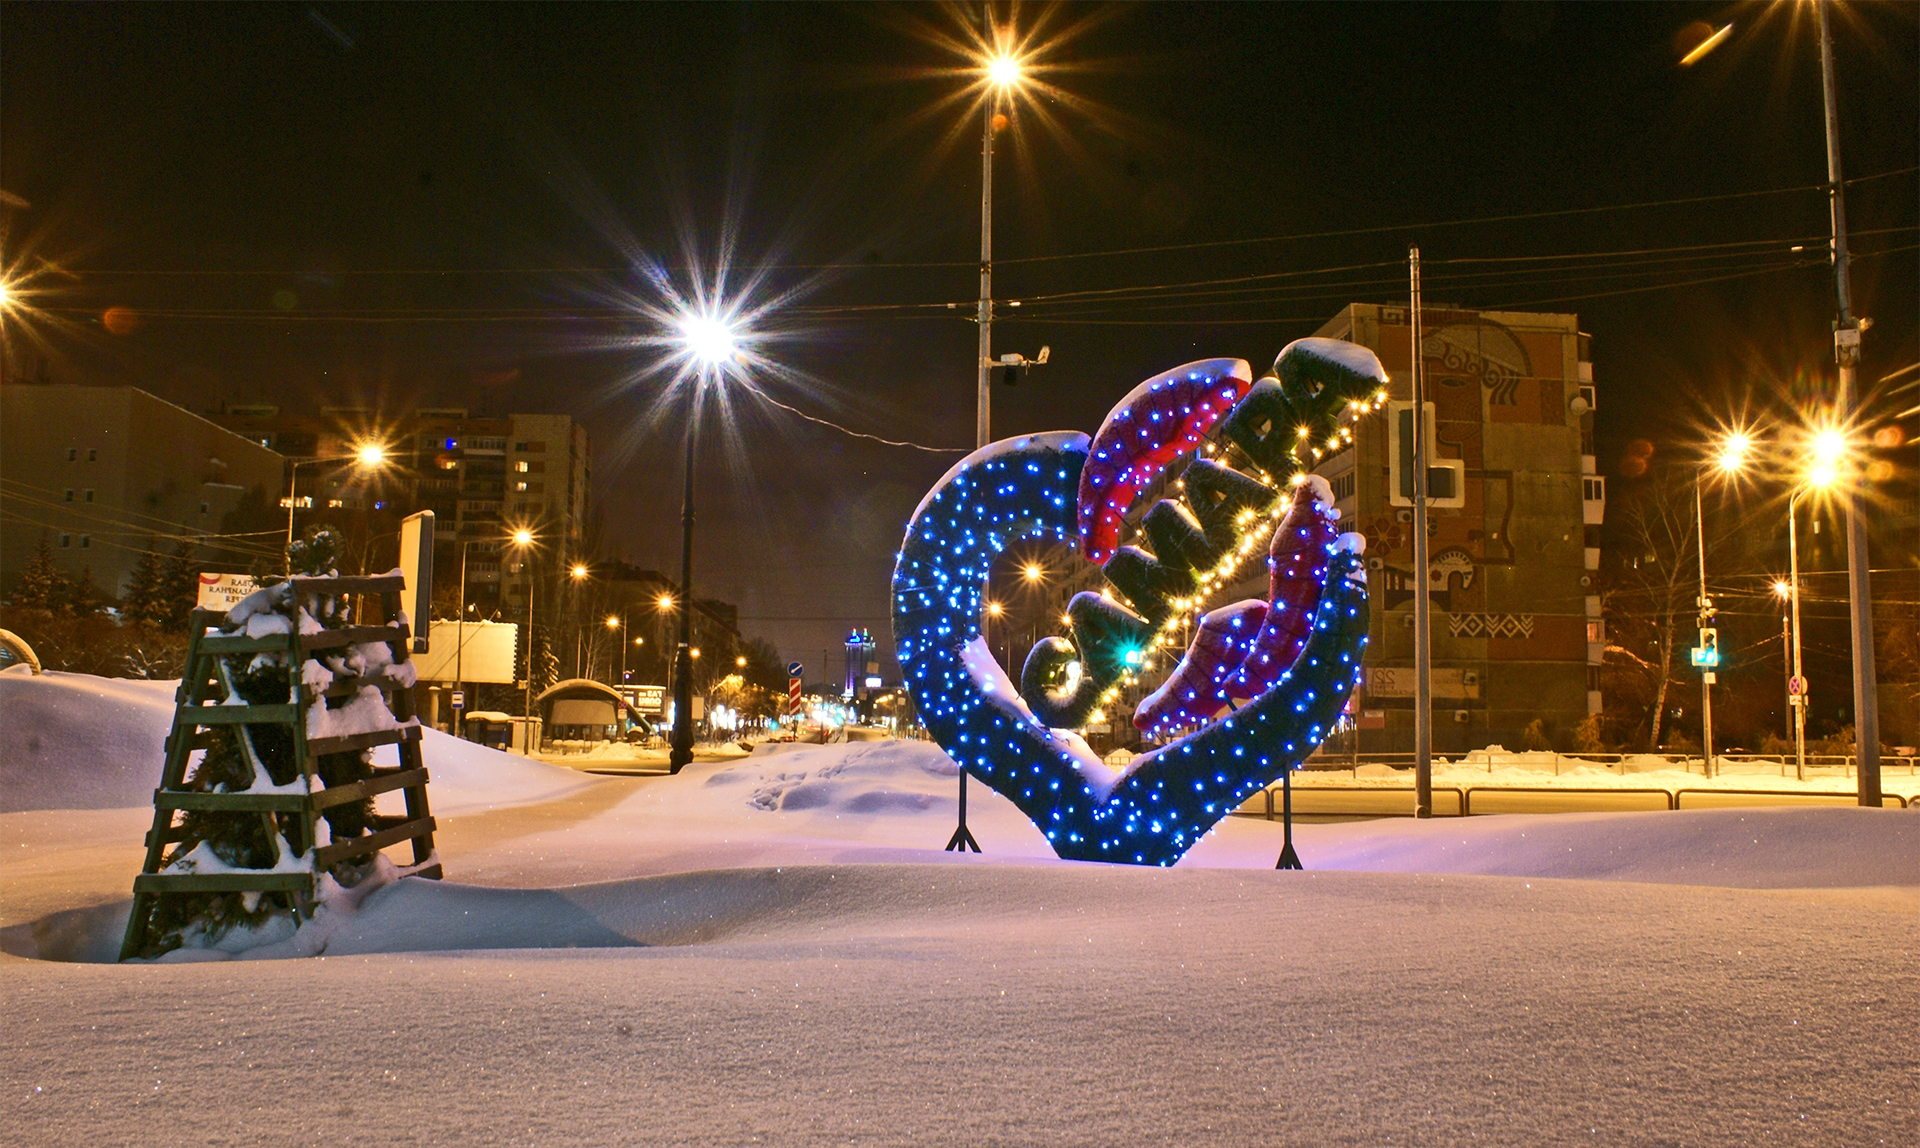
[1063,486]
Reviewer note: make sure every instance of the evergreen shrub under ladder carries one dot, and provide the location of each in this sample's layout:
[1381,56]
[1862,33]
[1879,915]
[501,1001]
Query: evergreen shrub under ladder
[287,720]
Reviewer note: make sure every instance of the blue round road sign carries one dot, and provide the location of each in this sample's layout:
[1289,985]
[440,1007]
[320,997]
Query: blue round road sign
[795,669]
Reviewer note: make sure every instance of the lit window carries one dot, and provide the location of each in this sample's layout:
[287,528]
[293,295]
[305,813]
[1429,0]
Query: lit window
[519,486]
[521,466]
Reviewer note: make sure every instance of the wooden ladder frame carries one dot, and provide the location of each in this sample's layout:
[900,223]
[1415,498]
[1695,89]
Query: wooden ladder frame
[207,682]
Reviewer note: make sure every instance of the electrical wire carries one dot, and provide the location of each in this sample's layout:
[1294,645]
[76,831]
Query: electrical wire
[765,397]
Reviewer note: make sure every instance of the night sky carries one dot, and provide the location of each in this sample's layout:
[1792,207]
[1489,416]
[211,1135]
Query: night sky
[436,204]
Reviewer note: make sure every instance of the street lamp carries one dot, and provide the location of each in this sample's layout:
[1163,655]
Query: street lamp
[1004,73]
[578,574]
[366,457]
[1730,460]
[619,622]
[712,343]
[523,541]
[1826,452]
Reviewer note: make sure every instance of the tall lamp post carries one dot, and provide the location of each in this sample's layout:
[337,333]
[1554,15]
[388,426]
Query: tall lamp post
[1732,458]
[1797,684]
[713,344]
[460,645]
[1003,73]
[523,542]
[619,622]
[1826,456]
[579,574]
[366,457]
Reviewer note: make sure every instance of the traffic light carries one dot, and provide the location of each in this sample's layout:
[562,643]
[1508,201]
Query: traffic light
[1707,611]
[1707,654]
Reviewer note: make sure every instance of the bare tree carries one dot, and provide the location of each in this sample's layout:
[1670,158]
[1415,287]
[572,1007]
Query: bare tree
[1653,586]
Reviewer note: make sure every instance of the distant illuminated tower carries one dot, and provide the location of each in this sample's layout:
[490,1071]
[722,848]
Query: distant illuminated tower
[860,649]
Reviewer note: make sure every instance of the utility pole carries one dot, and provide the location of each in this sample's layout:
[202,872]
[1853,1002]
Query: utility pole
[1422,610]
[1846,352]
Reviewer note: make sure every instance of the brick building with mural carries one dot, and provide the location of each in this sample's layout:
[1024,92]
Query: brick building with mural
[1516,508]
[1514,526]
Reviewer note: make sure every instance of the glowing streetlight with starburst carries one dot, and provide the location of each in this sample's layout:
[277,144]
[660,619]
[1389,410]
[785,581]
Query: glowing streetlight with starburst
[711,341]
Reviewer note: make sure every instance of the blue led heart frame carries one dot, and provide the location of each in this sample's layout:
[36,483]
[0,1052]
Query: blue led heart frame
[1161,804]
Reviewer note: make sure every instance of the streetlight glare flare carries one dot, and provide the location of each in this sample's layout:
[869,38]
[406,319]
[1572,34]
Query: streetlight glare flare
[710,340]
[1829,446]
[523,538]
[1004,71]
[1782,590]
[613,621]
[371,454]
[666,601]
[1034,573]
[579,571]
[1734,452]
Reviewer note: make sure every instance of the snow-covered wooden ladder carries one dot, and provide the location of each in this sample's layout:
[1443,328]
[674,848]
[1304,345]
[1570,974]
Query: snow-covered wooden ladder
[204,700]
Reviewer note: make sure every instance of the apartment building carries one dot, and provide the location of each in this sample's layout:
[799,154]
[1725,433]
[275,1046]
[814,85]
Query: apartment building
[105,473]
[483,478]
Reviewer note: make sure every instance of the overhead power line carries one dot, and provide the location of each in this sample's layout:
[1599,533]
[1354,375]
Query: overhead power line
[873,265]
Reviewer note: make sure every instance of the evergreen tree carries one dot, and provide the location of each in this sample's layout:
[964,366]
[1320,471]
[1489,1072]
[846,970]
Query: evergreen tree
[83,597]
[546,666]
[142,603]
[179,586]
[41,585]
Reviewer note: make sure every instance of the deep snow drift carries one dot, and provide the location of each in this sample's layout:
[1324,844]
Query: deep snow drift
[775,948]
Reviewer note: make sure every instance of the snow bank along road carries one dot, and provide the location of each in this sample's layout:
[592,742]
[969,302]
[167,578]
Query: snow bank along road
[773,950]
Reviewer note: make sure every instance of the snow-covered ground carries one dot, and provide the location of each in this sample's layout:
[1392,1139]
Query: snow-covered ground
[774,949]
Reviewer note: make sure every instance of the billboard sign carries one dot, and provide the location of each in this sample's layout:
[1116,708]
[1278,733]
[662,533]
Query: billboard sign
[474,652]
[648,701]
[223,591]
